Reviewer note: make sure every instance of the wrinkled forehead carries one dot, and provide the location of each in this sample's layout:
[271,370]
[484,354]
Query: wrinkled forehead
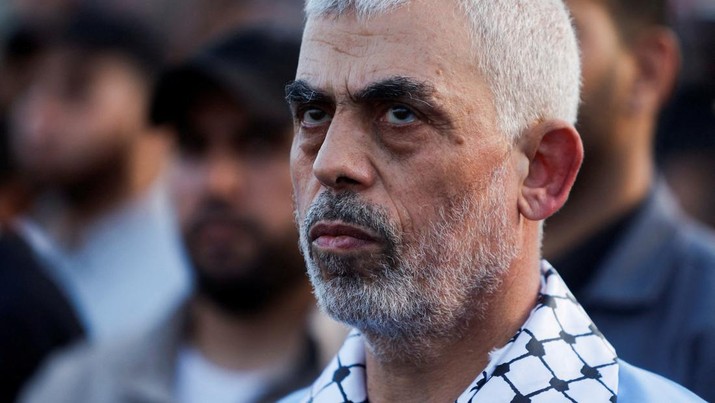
[428,41]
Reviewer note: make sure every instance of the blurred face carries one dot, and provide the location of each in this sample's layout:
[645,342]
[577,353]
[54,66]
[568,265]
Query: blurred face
[233,193]
[608,69]
[402,179]
[79,116]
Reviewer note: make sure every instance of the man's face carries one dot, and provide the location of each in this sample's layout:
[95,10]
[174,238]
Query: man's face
[233,193]
[79,116]
[402,180]
[607,78]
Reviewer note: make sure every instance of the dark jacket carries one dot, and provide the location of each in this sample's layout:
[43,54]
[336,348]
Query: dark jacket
[35,317]
[654,295]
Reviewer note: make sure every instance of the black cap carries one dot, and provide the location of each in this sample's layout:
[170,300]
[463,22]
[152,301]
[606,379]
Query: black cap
[252,66]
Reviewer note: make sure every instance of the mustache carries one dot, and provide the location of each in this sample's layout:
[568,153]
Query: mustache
[216,211]
[348,208]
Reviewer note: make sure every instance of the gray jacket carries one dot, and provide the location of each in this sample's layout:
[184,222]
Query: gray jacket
[654,295]
[139,370]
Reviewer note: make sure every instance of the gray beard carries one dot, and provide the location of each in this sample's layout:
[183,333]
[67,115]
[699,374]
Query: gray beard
[419,293]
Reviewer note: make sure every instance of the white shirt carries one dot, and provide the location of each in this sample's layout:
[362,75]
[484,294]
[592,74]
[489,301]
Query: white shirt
[128,270]
[199,380]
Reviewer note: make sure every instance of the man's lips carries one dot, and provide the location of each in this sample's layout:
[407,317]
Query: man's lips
[341,236]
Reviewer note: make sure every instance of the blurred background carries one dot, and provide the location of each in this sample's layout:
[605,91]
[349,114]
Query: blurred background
[686,137]
[182,25]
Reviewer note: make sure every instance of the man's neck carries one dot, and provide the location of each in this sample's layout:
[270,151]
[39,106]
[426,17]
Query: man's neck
[609,185]
[267,340]
[455,364]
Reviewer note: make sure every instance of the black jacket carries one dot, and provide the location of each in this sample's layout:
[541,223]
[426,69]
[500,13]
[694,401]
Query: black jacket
[35,317]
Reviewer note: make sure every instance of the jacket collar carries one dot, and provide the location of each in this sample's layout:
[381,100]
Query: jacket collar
[148,375]
[150,366]
[637,270]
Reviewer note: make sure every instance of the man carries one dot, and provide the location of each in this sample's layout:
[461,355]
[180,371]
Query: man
[35,316]
[244,335]
[431,140]
[101,222]
[642,269]
[685,143]
[72,267]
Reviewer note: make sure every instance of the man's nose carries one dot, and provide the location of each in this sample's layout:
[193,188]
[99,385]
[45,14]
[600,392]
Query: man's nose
[225,177]
[343,160]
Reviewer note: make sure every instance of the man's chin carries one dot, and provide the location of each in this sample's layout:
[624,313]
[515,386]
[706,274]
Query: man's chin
[224,267]
[242,290]
[352,265]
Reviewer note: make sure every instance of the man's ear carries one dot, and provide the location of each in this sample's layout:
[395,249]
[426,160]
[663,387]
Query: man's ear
[658,59]
[554,152]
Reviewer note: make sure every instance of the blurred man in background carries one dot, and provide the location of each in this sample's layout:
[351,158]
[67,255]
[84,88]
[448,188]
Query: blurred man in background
[642,269]
[19,53]
[45,296]
[35,316]
[100,222]
[243,336]
[686,136]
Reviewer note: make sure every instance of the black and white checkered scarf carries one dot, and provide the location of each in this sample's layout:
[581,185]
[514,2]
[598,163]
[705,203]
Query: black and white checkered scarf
[557,356]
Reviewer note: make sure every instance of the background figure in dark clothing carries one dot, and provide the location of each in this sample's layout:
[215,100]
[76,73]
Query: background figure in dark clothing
[642,269]
[35,317]
[686,137]
[79,144]
[100,219]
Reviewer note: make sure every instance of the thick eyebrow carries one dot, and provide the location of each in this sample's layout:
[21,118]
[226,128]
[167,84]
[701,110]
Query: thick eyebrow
[300,92]
[394,89]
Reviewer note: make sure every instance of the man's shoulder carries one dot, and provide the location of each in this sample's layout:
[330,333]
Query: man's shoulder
[31,303]
[675,253]
[697,243]
[89,372]
[68,375]
[693,267]
[638,385]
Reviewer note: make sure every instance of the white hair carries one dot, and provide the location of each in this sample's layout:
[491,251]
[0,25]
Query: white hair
[526,50]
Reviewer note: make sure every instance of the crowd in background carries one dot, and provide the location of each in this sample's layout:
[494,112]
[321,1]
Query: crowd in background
[96,193]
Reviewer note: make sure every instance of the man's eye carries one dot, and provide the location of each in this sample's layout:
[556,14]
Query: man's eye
[400,115]
[315,117]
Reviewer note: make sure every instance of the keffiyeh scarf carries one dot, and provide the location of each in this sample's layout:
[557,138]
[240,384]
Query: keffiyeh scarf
[557,356]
